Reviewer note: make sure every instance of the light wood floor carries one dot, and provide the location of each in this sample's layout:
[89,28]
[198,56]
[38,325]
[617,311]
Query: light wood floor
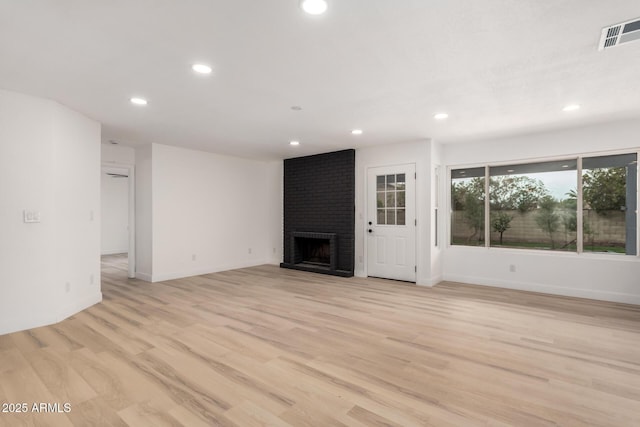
[266,346]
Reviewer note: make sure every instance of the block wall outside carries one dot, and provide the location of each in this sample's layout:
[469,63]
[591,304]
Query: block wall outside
[602,229]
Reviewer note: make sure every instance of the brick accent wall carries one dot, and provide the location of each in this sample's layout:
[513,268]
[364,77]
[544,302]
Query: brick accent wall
[319,197]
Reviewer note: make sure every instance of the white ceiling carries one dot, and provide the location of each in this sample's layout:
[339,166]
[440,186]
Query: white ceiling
[498,67]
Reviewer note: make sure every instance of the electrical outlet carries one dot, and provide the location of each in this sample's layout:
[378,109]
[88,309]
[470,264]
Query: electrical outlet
[67,287]
[274,250]
[512,268]
[193,257]
[249,251]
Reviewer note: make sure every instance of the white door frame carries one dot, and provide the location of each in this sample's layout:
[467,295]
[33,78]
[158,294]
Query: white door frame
[365,226]
[131,253]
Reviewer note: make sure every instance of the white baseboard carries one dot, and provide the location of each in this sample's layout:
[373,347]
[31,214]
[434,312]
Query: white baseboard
[78,306]
[114,251]
[34,320]
[27,322]
[430,282]
[208,270]
[547,289]
[144,276]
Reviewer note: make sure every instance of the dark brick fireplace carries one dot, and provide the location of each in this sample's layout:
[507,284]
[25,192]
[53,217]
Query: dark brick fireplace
[319,213]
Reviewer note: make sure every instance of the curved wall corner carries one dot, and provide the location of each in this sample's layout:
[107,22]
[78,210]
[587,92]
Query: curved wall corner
[50,170]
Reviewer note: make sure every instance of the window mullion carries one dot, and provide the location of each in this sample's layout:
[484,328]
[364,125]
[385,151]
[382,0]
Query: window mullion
[637,204]
[579,211]
[487,209]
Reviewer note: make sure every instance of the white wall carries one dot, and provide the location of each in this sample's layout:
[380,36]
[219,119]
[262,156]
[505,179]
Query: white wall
[208,212]
[114,212]
[274,211]
[437,209]
[607,277]
[119,154]
[49,162]
[418,153]
[76,141]
[144,213]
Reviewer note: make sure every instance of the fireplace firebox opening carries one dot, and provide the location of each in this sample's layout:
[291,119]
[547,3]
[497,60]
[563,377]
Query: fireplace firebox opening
[314,250]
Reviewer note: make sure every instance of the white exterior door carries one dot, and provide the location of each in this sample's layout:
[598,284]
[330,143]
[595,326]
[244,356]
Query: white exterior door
[391,226]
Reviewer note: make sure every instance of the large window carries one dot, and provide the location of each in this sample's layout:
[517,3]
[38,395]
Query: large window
[533,205]
[543,205]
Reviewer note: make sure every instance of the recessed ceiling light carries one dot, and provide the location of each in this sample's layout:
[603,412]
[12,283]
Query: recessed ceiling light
[510,170]
[565,166]
[314,7]
[356,132]
[201,68]
[294,143]
[571,107]
[463,172]
[138,101]
[296,108]
[441,116]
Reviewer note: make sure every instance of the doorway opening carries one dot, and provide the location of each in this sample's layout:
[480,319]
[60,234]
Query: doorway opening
[118,217]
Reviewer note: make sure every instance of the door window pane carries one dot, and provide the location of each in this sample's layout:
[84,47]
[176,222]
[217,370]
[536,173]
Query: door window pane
[467,206]
[400,199]
[609,203]
[389,197]
[400,217]
[391,216]
[391,182]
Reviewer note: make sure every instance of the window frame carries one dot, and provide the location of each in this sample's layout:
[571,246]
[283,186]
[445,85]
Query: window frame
[579,182]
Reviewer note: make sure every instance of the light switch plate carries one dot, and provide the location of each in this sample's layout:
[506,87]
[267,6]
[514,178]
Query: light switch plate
[31,216]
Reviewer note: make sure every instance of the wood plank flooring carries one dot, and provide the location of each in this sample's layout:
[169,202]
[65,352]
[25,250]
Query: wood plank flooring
[266,346]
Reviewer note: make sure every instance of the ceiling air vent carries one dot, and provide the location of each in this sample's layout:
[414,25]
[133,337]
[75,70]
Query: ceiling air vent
[620,33]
